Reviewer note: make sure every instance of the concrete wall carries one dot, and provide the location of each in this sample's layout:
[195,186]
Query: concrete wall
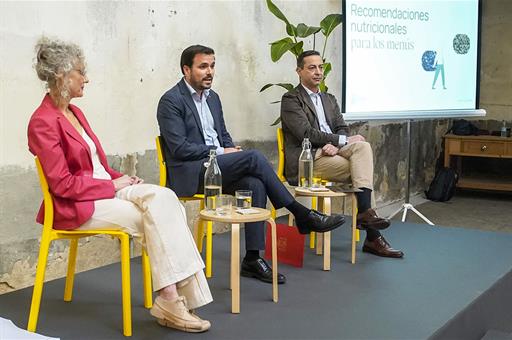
[132,51]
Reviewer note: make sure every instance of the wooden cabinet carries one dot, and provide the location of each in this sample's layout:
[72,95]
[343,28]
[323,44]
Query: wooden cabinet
[484,147]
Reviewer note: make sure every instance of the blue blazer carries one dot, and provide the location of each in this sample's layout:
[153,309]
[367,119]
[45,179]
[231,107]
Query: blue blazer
[185,150]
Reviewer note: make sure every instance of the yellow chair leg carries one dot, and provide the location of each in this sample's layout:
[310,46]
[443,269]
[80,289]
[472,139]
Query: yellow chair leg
[209,232]
[353,245]
[146,279]
[125,282]
[312,235]
[200,229]
[39,282]
[312,240]
[70,277]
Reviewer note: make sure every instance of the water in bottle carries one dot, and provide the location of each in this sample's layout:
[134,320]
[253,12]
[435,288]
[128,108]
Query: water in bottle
[212,182]
[306,165]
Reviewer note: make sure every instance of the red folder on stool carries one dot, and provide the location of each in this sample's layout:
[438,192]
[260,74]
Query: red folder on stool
[290,245]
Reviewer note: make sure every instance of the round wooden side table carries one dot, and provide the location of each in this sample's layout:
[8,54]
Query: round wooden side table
[324,205]
[235,219]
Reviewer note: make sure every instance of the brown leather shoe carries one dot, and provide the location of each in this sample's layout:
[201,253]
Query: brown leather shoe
[175,314]
[381,247]
[369,220]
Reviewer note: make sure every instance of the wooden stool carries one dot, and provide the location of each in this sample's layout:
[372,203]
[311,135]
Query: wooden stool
[324,205]
[235,219]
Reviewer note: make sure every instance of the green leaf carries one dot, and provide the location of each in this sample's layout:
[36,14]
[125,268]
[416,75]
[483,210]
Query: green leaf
[297,48]
[277,121]
[291,30]
[327,69]
[323,87]
[304,31]
[276,11]
[266,87]
[286,86]
[329,23]
[278,48]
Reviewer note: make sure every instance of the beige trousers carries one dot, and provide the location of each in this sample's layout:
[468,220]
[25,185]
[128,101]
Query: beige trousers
[155,217]
[353,162]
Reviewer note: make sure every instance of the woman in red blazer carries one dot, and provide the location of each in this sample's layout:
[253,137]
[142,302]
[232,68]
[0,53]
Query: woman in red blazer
[88,194]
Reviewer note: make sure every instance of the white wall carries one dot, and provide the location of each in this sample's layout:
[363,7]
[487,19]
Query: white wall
[132,51]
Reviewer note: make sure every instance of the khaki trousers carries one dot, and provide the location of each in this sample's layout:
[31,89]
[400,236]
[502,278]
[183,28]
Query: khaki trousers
[353,162]
[155,217]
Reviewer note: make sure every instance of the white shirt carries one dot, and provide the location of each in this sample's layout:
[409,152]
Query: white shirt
[99,171]
[320,114]
[210,135]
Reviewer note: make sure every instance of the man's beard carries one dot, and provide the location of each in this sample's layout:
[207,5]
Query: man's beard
[202,86]
[205,87]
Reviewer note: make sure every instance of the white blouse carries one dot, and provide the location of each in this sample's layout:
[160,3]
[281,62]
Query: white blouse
[99,169]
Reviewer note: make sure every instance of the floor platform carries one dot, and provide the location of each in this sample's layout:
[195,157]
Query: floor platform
[443,273]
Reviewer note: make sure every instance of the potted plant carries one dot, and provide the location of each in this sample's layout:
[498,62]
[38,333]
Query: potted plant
[294,43]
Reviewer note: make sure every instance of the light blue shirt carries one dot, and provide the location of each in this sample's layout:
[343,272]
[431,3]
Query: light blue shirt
[320,114]
[210,135]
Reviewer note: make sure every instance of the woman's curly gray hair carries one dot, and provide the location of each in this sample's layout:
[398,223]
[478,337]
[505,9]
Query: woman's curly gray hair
[55,57]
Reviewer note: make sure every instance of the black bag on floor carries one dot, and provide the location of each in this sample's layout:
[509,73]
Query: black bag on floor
[443,185]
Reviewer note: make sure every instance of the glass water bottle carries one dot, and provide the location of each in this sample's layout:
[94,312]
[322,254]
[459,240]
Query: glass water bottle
[306,165]
[212,181]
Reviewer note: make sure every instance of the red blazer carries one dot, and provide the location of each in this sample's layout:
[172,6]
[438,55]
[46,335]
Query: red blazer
[66,161]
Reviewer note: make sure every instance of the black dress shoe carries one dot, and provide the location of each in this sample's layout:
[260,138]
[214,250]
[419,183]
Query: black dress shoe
[318,222]
[381,247]
[260,270]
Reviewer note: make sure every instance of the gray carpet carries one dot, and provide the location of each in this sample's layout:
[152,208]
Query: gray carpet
[443,271]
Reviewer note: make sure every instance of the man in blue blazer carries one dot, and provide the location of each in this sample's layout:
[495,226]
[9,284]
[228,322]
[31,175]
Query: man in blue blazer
[192,123]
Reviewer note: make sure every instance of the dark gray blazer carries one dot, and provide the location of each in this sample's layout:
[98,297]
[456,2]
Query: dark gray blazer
[184,146]
[299,120]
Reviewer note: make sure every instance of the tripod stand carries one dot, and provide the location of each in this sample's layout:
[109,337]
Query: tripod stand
[407,205]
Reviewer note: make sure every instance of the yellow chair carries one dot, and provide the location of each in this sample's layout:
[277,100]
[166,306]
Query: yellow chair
[50,234]
[197,197]
[314,200]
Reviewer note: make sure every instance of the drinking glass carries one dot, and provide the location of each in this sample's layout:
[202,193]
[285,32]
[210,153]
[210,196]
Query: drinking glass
[243,198]
[224,204]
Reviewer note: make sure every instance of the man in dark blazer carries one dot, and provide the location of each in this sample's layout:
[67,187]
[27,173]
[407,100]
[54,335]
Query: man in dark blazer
[192,123]
[338,157]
